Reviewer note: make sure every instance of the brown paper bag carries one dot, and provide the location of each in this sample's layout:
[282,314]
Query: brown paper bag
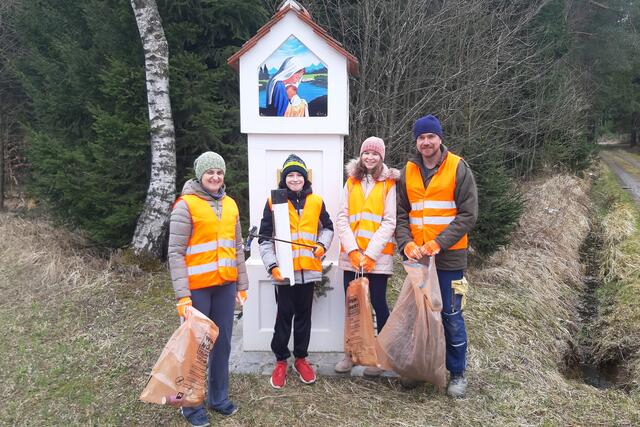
[178,377]
[412,343]
[359,339]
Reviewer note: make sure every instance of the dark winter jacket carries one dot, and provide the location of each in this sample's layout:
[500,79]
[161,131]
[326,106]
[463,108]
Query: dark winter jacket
[267,248]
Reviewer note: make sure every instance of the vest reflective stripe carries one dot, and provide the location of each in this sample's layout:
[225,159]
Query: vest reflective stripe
[304,229]
[212,266]
[303,235]
[433,220]
[210,246]
[433,208]
[433,204]
[211,252]
[365,215]
[303,253]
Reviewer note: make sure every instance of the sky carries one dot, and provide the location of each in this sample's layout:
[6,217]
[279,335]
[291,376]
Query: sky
[291,47]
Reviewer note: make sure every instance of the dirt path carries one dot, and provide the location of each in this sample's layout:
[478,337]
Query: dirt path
[626,165]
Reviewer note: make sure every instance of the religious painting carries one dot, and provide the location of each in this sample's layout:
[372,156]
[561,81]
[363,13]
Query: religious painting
[293,82]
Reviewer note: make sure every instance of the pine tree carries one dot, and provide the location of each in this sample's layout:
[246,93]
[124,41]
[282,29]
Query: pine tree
[84,76]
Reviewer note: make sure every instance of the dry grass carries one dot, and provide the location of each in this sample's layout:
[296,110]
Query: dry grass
[618,323]
[81,335]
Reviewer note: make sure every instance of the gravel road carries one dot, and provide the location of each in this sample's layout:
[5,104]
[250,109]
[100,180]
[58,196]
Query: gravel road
[626,165]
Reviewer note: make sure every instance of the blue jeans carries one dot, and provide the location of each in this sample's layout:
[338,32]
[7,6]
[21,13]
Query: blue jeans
[455,332]
[218,304]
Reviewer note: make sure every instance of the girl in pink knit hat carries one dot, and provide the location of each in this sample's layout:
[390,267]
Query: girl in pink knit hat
[366,224]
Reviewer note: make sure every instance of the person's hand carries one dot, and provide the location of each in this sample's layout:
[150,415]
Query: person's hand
[182,305]
[430,248]
[277,274]
[241,297]
[413,251]
[368,264]
[356,259]
[319,250]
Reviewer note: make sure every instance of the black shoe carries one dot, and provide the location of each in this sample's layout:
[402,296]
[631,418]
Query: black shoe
[409,384]
[228,410]
[197,419]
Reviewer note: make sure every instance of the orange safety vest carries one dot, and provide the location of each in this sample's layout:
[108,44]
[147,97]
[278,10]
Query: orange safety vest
[365,215]
[304,229]
[433,208]
[211,252]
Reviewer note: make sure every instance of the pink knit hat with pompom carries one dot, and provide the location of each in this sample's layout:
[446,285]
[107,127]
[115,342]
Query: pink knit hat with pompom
[373,143]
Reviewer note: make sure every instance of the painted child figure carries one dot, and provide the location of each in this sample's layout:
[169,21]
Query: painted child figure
[310,225]
[297,107]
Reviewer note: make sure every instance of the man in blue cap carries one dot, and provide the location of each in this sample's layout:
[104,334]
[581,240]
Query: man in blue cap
[437,207]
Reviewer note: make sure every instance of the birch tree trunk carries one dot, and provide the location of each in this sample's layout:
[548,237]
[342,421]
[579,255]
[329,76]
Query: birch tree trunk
[151,227]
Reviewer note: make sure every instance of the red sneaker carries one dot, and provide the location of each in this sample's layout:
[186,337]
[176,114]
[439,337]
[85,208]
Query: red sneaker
[302,367]
[279,376]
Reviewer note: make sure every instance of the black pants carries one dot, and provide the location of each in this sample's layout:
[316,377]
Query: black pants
[294,304]
[378,293]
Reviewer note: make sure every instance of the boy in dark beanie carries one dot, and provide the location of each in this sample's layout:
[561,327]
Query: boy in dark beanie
[310,225]
[442,184]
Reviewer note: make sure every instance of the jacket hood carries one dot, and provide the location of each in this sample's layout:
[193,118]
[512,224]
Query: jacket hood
[387,172]
[193,186]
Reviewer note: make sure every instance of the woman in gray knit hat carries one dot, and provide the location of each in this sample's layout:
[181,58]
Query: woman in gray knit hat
[208,271]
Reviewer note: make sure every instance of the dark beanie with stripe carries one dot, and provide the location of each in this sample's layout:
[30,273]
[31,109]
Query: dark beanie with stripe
[293,164]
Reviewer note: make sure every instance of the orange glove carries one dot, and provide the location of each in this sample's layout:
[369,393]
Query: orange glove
[413,251]
[430,248]
[182,305]
[368,264]
[356,258]
[319,250]
[277,274]
[241,297]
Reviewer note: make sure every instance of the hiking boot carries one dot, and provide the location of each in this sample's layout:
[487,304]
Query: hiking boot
[197,419]
[457,385]
[279,376]
[304,369]
[344,366]
[228,410]
[372,372]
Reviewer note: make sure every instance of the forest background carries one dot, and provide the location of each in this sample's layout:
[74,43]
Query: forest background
[522,87]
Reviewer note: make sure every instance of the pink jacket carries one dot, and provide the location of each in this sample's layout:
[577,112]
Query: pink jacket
[384,263]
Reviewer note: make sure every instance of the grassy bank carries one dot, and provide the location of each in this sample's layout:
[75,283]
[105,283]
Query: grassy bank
[617,326]
[81,334]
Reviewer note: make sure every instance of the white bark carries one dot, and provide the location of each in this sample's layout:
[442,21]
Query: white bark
[151,226]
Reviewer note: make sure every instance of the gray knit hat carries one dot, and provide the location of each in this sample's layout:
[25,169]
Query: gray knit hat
[208,160]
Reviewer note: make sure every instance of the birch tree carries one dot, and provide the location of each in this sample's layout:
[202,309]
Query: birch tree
[151,225]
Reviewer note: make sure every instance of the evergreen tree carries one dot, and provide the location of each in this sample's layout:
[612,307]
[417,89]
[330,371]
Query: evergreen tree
[88,145]
[84,76]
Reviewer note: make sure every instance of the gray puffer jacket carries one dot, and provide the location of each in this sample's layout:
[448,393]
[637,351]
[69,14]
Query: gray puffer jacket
[180,232]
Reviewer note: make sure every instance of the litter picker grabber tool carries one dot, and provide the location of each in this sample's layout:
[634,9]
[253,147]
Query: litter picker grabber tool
[252,235]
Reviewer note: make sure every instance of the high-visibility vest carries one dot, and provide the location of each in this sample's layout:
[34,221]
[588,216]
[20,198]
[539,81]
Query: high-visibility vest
[211,251]
[304,229]
[365,215]
[433,208]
